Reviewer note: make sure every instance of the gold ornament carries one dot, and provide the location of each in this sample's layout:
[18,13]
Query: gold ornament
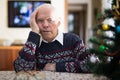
[98,32]
[105,27]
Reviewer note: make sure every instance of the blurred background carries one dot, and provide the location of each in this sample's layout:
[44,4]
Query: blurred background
[77,16]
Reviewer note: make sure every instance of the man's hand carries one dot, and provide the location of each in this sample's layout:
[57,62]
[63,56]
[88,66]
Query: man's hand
[33,23]
[50,67]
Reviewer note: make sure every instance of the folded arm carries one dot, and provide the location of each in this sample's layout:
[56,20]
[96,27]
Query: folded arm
[26,58]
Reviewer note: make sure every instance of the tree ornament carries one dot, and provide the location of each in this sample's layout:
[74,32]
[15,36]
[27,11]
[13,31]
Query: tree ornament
[118,29]
[109,59]
[105,27]
[94,59]
[102,48]
[99,32]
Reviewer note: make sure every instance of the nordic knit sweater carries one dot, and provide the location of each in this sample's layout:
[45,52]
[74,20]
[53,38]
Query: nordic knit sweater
[72,56]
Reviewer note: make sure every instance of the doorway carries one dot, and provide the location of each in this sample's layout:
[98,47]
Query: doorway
[77,15]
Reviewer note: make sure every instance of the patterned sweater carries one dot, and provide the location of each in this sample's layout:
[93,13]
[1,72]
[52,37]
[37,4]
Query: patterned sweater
[72,56]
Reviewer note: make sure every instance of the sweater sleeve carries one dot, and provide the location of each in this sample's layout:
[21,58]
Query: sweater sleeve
[26,58]
[79,65]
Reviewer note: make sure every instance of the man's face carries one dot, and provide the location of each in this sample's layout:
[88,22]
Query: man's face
[48,24]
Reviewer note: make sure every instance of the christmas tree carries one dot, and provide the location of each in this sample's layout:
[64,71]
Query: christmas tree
[106,42]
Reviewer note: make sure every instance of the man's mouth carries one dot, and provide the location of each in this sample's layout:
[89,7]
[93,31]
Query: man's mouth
[46,31]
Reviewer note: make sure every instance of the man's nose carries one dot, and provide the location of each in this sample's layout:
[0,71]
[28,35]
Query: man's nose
[45,23]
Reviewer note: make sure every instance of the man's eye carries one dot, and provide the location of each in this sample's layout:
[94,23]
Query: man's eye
[39,20]
[49,20]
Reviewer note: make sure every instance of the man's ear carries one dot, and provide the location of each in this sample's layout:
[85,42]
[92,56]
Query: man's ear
[59,22]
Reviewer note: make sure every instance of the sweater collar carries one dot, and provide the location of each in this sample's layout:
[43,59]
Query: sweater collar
[59,38]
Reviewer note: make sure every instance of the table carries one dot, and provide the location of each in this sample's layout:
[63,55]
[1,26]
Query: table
[48,75]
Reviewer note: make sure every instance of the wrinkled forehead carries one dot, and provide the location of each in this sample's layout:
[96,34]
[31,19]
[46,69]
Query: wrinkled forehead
[47,10]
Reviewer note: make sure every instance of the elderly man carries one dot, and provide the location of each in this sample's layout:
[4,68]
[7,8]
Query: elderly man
[49,49]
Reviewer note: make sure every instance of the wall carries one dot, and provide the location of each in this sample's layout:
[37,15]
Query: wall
[22,33]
